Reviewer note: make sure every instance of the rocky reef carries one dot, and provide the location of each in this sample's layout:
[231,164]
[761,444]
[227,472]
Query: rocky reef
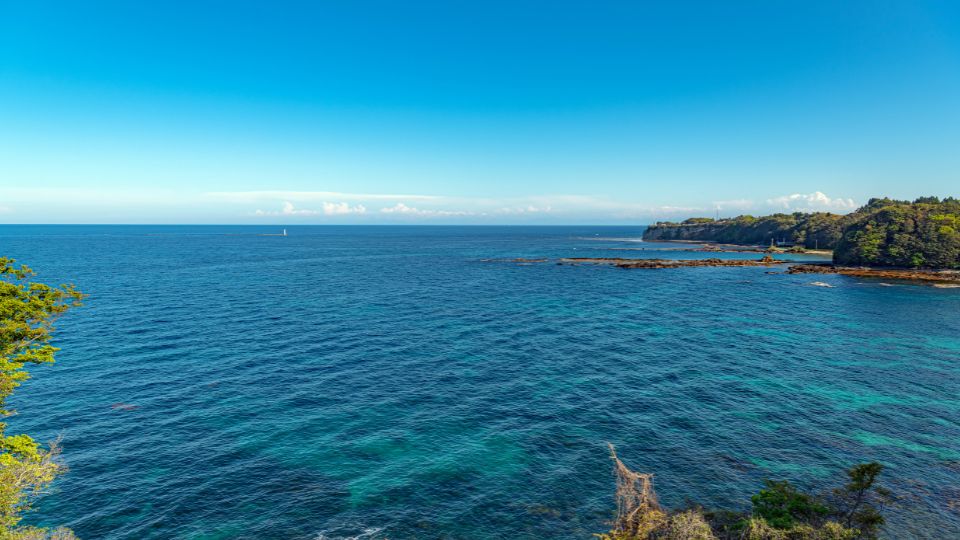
[938,276]
[669,263]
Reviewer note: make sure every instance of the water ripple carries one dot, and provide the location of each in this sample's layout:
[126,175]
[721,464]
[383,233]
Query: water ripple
[377,382]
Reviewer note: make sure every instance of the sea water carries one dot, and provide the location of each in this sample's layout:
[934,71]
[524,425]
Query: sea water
[410,382]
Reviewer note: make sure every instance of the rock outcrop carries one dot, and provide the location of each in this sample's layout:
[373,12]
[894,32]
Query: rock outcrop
[670,263]
[941,276]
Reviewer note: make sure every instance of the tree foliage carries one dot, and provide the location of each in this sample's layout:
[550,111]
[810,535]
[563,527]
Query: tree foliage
[783,506]
[860,501]
[27,313]
[885,232]
[779,511]
[817,230]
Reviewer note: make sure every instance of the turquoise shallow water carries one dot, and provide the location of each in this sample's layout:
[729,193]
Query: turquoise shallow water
[381,382]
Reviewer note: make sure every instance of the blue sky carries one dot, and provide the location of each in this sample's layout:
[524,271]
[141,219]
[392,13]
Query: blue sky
[460,112]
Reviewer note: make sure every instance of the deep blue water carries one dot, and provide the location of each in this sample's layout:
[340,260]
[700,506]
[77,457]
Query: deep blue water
[387,382]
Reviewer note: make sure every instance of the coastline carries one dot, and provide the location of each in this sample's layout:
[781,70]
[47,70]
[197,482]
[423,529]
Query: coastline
[670,263]
[722,247]
[938,276]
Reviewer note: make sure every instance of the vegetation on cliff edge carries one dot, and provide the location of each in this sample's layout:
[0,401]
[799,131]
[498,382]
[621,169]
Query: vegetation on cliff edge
[27,313]
[779,511]
[924,233]
[817,230]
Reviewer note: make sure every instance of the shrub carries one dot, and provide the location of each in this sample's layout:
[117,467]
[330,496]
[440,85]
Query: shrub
[780,512]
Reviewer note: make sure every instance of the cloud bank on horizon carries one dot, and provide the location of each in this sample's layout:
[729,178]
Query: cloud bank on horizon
[309,207]
[439,208]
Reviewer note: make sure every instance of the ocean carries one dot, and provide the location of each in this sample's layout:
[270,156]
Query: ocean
[411,382]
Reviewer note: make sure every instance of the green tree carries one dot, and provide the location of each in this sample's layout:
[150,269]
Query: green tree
[900,233]
[860,501]
[27,313]
[780,512]
[783,506]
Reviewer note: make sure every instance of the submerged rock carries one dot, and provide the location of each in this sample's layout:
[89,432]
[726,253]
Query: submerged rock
[124,407]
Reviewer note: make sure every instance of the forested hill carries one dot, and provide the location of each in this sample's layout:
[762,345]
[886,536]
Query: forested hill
[809,230]
[924,233]
[884,232]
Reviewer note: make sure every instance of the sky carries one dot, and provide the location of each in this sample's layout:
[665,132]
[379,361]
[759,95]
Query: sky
[493,112]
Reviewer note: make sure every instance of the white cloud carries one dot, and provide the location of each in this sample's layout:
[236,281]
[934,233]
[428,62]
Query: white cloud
[310,196]
[812,202]
[404,210]
[528,209]
[534,208]
[735,204]
[329,209]
[342,208]
[644,213]
[674,209]
[289,210]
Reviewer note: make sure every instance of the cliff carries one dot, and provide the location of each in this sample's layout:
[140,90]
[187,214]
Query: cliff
[924,233]
[817,230]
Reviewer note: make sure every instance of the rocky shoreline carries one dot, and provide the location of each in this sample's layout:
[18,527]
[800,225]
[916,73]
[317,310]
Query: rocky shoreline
[670,263]
[938,276]
[720,247]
